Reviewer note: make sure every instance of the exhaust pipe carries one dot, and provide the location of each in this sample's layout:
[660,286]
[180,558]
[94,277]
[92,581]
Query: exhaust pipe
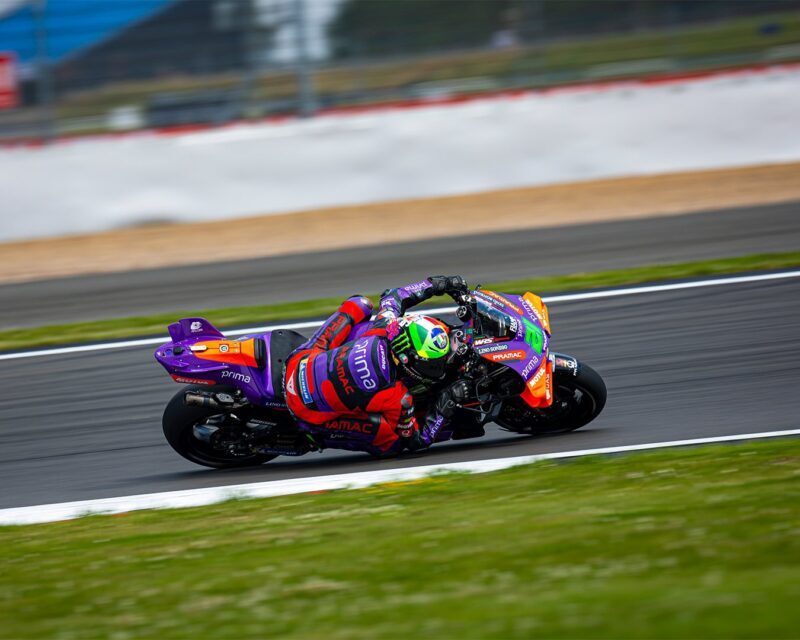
[213,400]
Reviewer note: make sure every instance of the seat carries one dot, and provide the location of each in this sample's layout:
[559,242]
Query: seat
[282,343]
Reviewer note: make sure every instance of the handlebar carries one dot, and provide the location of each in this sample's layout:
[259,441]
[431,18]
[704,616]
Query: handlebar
[467,306]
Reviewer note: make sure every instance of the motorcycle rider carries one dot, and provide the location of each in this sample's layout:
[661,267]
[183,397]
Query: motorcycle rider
[330,376]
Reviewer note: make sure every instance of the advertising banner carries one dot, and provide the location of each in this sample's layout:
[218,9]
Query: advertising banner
[9,95]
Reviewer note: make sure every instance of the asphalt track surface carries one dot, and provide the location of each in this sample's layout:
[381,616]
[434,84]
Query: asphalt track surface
[486,258]
[678,364]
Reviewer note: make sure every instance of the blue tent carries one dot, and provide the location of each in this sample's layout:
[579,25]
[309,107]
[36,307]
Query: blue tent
[72,25]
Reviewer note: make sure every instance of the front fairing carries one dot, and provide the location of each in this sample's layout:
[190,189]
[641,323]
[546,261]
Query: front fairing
[525,342]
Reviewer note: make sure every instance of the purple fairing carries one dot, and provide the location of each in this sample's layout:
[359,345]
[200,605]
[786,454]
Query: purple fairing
[188,328]
[177,358]
[259,386]
[526,332]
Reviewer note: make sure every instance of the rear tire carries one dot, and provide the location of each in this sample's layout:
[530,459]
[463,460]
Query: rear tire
[178,424]
[578,399]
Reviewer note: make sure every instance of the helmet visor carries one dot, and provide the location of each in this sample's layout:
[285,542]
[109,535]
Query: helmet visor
[430,369]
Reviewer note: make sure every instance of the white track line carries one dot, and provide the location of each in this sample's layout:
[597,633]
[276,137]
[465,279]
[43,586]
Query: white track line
[211,495]
[590,295]
[125,344]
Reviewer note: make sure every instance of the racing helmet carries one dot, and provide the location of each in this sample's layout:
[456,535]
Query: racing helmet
[422,346]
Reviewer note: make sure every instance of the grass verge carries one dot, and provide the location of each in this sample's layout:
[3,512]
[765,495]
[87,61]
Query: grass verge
[684,543]
[258,315]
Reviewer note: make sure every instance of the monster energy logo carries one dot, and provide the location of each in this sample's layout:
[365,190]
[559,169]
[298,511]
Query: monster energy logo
[401,343]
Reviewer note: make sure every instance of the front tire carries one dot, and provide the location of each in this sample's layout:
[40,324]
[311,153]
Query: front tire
[578,399]
[178,424]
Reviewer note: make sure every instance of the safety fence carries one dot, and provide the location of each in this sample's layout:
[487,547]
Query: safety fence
[88,66]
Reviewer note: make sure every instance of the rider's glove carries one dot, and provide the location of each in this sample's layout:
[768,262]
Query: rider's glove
[415,442]
[451,285]
[451,397]
[405,430]
[409,435]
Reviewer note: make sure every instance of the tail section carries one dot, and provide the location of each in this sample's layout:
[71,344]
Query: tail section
[187,328]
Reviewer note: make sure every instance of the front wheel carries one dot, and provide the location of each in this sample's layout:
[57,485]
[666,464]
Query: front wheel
[577,400]
[181,424]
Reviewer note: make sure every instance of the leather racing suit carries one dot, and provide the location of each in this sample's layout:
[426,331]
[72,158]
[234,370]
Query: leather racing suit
[331,377]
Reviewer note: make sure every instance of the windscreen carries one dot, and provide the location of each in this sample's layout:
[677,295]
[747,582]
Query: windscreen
[493,322]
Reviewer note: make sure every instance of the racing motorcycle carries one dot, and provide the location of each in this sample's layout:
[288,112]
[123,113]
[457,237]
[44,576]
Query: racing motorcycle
[232,411]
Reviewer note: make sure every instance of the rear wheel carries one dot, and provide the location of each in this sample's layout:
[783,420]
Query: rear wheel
[577,400]
[183,424]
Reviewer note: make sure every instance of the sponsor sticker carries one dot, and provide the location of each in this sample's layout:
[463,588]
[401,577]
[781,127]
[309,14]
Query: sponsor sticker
[567,363]
[548,389]
[382,359]
[196,327]
[537,377]
[507,356]
[533,311]
[534,362]
[301,376]
[275,405]
[234,375]
[416,287]
[502,300]
[341,370]
[433,429]
[493,348]
[361,365]
[183,380]
[482,295]
[356,426]
[483,341]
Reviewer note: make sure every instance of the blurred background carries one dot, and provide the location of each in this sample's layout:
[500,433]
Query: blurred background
[90,66]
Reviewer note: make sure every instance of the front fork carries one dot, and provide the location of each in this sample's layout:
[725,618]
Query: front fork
[564,364]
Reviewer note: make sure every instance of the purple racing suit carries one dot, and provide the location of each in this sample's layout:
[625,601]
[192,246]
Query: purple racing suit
[330,377]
